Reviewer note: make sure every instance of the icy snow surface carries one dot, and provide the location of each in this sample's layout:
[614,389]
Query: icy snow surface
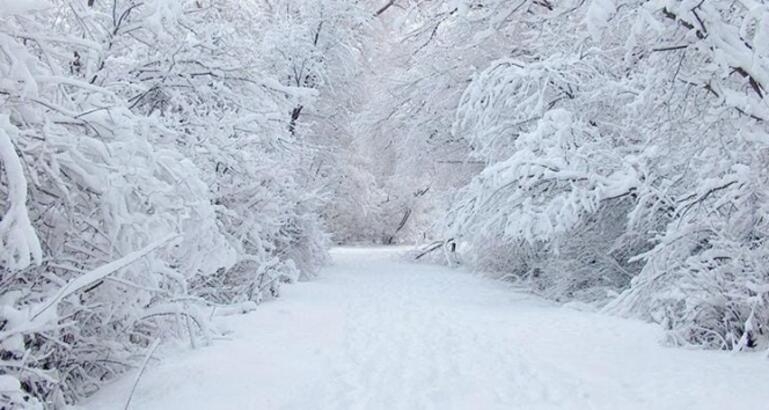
[374,332]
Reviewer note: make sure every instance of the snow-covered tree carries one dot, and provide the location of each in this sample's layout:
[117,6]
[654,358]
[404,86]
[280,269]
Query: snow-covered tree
[623,148]
[150,176]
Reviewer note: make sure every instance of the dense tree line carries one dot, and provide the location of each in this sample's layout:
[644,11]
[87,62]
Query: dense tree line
[622,148]
[163,162]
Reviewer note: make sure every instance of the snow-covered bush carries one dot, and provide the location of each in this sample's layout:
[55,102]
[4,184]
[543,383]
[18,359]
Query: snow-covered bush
[148,174]
[99,190]
[624,143]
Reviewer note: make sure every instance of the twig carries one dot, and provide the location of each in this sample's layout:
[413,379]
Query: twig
[147,358]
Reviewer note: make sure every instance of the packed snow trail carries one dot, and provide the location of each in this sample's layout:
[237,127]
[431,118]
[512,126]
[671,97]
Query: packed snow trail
[374,332]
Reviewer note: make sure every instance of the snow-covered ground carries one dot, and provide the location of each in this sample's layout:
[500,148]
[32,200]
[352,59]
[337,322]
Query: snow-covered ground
[374,332]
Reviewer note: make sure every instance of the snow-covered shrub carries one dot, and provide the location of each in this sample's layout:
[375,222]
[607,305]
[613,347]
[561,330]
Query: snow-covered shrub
[705,278]
[148,174]
[101,187]
[624,145]
[229,118]
[559,193]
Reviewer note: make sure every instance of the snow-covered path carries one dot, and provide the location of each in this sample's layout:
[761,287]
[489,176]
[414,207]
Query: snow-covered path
[376,333]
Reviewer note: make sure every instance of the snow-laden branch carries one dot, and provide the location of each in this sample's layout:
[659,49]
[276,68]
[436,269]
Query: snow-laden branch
[19,244]
[98,274]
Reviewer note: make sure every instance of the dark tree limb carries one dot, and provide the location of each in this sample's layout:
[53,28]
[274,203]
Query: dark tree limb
[295,113]
[384,8]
